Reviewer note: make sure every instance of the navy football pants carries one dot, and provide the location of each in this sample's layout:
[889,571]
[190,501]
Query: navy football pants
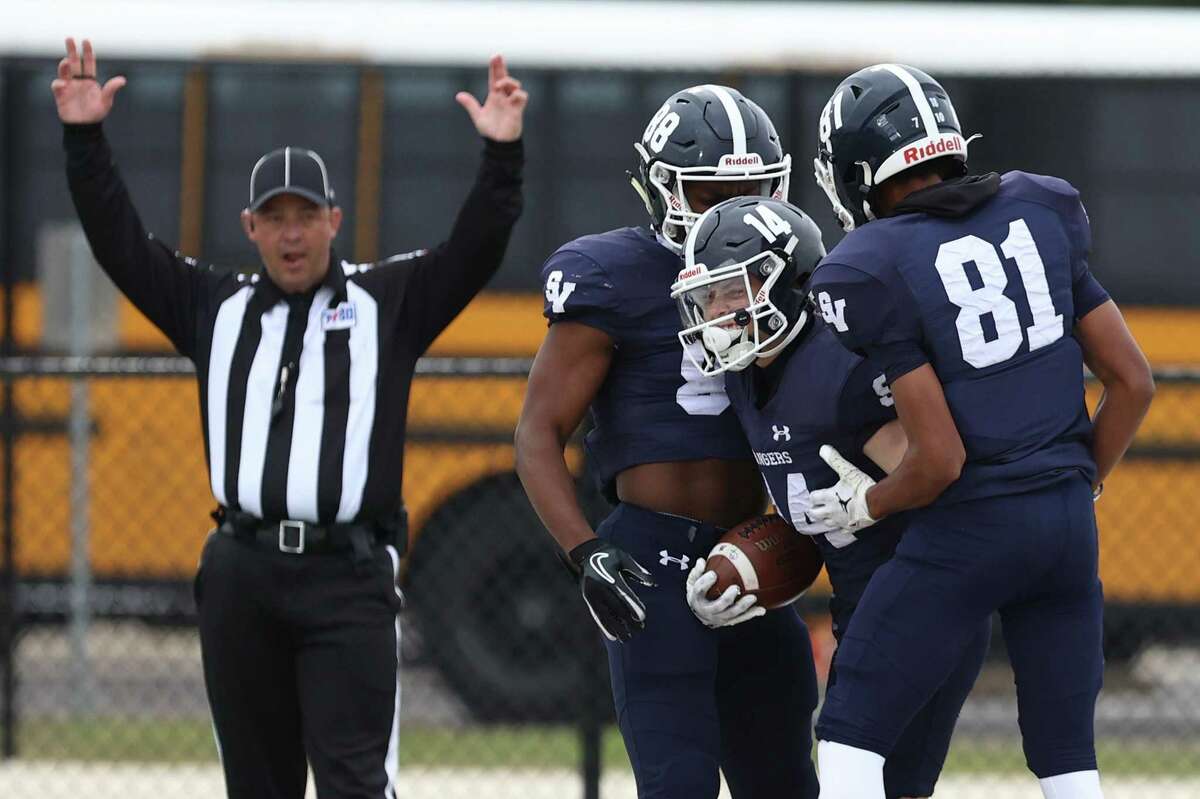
[1032,557]
[691,700]
[915,762]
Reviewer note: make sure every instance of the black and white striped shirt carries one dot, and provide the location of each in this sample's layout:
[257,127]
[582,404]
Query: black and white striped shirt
[303,397]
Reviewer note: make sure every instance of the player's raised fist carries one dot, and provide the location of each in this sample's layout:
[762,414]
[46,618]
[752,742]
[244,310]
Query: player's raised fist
[500,116]
[78,93]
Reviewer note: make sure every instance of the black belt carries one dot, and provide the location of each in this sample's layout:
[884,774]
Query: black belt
[300,538]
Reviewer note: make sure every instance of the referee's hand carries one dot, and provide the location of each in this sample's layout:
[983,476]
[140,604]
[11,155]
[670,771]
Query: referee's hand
[499,118]
[615,607]
[80,98]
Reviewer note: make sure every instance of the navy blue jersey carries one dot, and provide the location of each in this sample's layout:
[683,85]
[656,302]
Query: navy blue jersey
[654,405]
[826,395]
[990,300]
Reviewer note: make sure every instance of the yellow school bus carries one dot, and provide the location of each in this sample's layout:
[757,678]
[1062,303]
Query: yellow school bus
[145,499]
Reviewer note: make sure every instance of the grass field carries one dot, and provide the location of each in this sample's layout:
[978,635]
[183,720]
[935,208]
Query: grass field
[523,747]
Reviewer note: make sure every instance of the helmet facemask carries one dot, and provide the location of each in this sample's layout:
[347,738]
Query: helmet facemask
[823,172]
[733,324]
[668,184]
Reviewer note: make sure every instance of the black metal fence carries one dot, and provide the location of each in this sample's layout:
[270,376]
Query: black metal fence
[504,682]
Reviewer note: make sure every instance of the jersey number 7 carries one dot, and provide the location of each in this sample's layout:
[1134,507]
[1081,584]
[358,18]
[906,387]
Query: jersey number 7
[974,303]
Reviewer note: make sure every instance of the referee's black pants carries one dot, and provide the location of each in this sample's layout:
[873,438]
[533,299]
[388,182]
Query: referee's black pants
[301,661]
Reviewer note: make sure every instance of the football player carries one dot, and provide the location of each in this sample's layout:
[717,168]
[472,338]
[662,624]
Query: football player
[973,294]
[668,450]
[743,296]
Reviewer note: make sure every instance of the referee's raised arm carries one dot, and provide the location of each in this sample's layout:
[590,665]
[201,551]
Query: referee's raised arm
[444,280]
[162,284]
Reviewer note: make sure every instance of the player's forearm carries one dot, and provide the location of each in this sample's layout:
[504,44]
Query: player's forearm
[920,478]
[1111,353]
[935,455]
[887,446]
[1118,417]
[548,482]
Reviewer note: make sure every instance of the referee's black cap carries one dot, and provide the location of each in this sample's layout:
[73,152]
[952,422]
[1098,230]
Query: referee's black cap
[290,170]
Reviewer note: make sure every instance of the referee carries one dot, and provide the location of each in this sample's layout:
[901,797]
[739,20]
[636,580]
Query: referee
[304,371]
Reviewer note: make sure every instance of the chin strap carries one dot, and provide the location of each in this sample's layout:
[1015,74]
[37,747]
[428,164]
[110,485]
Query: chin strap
[730,349]
[717,339]
[733,351]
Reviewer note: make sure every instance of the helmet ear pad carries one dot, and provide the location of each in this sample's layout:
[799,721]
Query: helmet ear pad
[766,266]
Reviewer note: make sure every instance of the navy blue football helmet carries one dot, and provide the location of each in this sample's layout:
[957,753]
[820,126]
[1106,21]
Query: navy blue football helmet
[881,121]
[743,291]
[705,133]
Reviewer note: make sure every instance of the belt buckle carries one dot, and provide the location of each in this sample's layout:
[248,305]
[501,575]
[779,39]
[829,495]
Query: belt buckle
[301,529]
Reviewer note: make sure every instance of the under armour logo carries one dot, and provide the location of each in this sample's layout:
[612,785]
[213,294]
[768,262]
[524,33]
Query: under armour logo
[664,558]
[781,432]
[557,291]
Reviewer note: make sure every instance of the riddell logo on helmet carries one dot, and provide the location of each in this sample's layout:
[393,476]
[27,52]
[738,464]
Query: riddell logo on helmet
[942,146]
[739,161]
[688,274]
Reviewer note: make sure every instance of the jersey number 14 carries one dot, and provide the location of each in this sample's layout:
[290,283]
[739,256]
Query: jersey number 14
[974,303]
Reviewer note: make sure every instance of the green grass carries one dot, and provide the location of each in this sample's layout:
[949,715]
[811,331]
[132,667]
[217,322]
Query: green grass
[527,747]
[116,739]
[183,741]
[505,747]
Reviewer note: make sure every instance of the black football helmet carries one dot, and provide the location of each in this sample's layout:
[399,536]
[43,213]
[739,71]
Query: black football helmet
[705,133]
[743,288]
[881,121]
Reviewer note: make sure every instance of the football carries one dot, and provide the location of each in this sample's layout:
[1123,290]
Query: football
[765,556]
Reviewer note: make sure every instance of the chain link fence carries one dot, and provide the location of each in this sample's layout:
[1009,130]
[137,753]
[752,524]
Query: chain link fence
[105,503]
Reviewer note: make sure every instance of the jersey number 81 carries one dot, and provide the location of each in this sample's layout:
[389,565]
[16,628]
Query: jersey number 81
[974,303]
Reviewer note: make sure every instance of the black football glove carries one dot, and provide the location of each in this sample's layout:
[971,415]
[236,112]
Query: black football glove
[615,607]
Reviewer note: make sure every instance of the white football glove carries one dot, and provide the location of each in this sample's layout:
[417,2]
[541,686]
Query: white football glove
[844,505]
[726,609]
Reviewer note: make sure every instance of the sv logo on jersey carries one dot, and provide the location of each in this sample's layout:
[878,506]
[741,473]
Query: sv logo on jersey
[833,312]
[557,291]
